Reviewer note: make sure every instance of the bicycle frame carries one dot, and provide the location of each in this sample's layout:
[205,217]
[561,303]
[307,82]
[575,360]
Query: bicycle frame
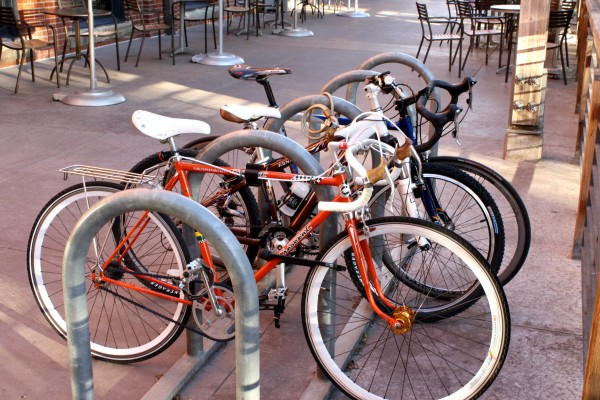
[360,247]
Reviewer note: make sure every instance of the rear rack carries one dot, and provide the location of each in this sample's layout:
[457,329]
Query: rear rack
[123,177]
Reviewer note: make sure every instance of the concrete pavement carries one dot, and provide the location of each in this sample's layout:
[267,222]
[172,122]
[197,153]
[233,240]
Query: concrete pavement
[41,135]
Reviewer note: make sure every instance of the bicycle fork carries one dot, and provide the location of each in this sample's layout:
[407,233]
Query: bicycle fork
[402,316]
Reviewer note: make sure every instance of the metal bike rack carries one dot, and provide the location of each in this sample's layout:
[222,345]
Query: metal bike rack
[352,79]
[300,104]
[280,144]
[199,218]
[397,58]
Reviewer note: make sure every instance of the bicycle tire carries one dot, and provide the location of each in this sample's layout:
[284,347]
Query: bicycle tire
[241,211]
[512,208]
[120,331]
[458,356]
[469,210]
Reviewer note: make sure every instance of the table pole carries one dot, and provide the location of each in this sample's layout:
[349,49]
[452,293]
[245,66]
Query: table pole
[294,31]
[94,97]
[355,13]
[219,58]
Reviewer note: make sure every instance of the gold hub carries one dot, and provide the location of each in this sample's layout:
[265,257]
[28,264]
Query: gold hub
[404,316]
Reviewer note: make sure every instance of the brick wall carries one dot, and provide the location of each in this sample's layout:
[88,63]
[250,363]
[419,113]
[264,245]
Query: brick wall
[25,6]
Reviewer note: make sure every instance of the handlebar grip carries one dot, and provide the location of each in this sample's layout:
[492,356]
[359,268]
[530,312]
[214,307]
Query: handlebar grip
[454,90]
[360,170]
[378,173]
[403,151]
[362,201]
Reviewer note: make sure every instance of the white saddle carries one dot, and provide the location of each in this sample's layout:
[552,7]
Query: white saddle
[239,113]
[161,127]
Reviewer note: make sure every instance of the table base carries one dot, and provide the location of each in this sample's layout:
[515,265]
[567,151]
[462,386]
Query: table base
[354,14]
[91,98]
[219,59]
[293,32]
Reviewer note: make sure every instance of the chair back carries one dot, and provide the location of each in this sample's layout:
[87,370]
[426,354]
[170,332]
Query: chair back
[560,20]
[483,6]
[465,10]
[134,8]
[422,11]
[32,17]
[452,8]
[568,5]
[71,4]
[8,19]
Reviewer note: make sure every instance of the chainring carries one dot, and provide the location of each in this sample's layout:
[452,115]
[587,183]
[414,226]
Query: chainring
[213,326]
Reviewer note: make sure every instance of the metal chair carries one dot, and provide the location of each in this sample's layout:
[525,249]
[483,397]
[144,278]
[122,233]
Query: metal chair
[452,14]
[145,21]
[241,8]
[24,41]
[558,27]
[99,31]
[194,11]
[477,26]
[564,5]
[428,34]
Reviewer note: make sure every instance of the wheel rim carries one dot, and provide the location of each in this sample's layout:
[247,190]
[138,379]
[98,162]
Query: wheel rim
[138,337]
[381,343]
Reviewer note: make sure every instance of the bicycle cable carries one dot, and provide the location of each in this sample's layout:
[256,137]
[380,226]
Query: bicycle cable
[329,125]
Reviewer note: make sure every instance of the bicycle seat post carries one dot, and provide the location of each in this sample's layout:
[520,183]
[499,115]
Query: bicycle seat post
[264,81]
[172,145]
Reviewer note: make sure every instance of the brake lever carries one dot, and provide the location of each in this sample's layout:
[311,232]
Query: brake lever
[470,99]
[456,130]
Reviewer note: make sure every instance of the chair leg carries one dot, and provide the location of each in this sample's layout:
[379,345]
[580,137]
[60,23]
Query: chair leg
[129,45]
[160,45]
[56,66]
[206,36]
[460,43]
[509,55]
[420,44]
[214,33]
[173,45]
[141,47]
[117,48]
[185,33]
[562,61]
[32,65]
[450,57]
[64,52]
[471,44]
[247,25]
[427,52]
[20,70]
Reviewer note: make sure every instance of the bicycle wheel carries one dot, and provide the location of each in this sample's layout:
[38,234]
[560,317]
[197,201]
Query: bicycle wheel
[238,211]
[468,209]
[514,213]
[125,325]
[456,356]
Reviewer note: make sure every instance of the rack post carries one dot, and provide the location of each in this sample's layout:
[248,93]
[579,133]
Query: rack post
[199,218]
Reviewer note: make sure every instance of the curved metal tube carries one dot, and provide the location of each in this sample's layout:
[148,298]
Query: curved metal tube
[302,103]
[196,216]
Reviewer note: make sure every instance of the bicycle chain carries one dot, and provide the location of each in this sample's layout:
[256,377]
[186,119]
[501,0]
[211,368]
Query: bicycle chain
[169,319]
[119,269]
